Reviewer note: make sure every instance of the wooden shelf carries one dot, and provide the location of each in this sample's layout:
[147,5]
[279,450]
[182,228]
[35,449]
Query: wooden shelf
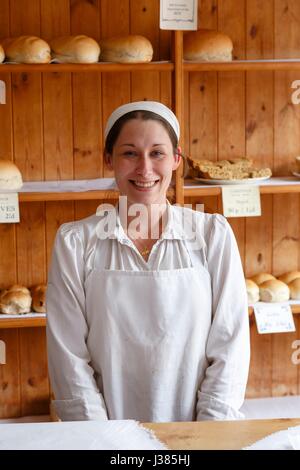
[69,196]
[243,65]
[276,185]
[20,322]
[99,67]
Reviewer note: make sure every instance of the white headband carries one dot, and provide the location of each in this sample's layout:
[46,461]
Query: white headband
[154,106]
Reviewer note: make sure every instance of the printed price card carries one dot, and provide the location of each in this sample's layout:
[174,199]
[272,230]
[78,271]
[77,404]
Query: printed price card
[9,208]
[274,318]
[241,201]
[179,14]
[2,92]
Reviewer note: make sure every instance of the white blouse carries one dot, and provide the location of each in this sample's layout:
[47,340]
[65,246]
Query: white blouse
[78,388]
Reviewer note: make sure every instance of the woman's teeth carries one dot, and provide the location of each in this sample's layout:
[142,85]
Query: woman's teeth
[149,184]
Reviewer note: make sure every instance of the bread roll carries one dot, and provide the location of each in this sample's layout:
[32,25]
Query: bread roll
[39,298]
[18,288]
[10,176]
[2,55]
[75,49]
[126,49]
[27,50]
[274,290]
[289,276]
[207,45]
[14,302]
[262,277]
[252,291]
[294,287]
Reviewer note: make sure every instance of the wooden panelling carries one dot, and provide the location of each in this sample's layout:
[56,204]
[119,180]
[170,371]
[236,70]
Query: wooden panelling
[52,127]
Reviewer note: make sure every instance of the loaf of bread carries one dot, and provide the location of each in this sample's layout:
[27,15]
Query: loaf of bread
[126,49]
[289,276]
[27,50]
[2,55]
[262,277]
[10,176]
[252,291]
[207,45]
[294,287]
[39,298]
[79,49]
[16,300]
[274,290]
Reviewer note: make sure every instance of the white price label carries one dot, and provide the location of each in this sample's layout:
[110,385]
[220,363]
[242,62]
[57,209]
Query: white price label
[2,92]
[241,201]
[179,14]
[9,208]
[274,318]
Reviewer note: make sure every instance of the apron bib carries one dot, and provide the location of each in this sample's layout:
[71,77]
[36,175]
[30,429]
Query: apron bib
[147,339]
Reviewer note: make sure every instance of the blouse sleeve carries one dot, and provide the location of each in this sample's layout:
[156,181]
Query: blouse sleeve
[222,391]
[77,396]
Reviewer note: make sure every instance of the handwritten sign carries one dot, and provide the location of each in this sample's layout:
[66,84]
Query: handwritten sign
[9,208]
[2,92]
[241,201]
[274,318]
[179,14]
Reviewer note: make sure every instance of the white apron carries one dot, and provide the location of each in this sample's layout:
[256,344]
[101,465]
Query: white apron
[151,328]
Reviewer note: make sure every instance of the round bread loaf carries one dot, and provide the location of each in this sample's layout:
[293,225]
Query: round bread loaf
[207,45]
[15,302]
[262,277]
[79,49]
[289,276]
[39,298]
[252,291]
[19,288]
[126,49]
[294,287]
[274,290]
[27,50]
[10,176]
[2,55]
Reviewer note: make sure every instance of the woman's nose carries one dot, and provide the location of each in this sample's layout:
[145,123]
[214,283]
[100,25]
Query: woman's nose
[144,165]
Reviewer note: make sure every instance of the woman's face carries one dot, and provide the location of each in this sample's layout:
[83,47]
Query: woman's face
[143,160]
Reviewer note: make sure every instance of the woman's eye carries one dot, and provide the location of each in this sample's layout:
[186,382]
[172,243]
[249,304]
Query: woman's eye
[157,153]
[129,153]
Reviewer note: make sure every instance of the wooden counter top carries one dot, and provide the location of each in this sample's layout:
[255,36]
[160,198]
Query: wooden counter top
[217,435]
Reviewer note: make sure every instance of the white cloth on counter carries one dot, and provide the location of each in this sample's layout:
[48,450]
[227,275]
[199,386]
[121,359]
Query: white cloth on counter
[87,435]
[162,340]
[288,439]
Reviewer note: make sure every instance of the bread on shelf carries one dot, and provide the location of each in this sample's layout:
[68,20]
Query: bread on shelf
[126,49]
[39,298]
[78,49]
[16,300]
[207,45]
[294,287]
[26,50]
[2,54]
[252,291]
[10,176]
[289,276]
[274,290]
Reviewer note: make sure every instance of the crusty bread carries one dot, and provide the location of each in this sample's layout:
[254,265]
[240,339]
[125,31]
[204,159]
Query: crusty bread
[10,176]
[79,49]
[126,49]
[19,288]
[252,291]
[26,50]
[15,302]
[274,290]
[207,45]
[294,287]
[289,276]
[39,298]
[2,54]
[262,277]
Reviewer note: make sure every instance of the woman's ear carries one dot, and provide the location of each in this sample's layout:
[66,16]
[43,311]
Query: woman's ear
[177,158]
[108,160]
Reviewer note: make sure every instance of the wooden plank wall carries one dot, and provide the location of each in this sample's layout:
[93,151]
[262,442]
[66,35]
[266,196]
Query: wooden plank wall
[237,114]
[52,128]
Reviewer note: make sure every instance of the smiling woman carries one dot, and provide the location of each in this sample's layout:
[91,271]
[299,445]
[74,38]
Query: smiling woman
[147,320]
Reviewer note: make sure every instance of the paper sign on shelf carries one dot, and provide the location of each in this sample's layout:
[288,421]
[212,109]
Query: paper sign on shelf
[2,92]
[274,318]
[241,201]
[179,14]
[9,208]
